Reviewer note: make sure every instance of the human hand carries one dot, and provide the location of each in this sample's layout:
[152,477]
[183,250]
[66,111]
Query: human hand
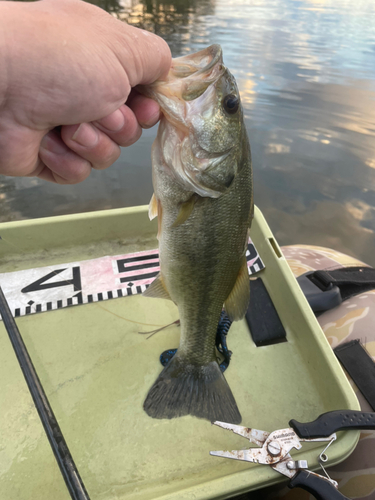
[66,98]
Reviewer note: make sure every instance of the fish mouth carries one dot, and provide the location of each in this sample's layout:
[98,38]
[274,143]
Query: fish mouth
[200,62]
[188,91]
[197,71]
[188,78]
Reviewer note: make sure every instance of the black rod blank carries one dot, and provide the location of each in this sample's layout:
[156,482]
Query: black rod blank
[56,439]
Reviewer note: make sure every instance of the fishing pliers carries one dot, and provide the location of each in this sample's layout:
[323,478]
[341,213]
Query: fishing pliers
[275,447]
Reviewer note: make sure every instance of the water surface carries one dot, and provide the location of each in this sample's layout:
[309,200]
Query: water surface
[306,72]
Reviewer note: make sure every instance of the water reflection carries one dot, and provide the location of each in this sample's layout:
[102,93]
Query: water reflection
[307,79]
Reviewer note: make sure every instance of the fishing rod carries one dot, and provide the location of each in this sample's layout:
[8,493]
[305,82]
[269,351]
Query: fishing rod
[56,439]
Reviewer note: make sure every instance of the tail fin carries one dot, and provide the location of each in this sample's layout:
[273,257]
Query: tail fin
[186,389]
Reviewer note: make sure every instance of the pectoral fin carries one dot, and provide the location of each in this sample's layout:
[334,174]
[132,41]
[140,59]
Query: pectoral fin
[155,210]
[153,207]
[185,210]
[238,299]
[157,289]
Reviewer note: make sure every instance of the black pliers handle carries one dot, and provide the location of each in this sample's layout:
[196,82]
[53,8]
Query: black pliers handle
[324,426]
[317,485]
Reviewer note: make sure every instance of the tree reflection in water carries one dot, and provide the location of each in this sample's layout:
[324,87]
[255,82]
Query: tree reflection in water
[306,76]
[170,19]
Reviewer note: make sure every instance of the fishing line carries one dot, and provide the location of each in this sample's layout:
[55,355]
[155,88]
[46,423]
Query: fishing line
[150,334]
[56,439]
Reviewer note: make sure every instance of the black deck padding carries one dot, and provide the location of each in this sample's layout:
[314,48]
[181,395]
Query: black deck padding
[262,318]
[360,366]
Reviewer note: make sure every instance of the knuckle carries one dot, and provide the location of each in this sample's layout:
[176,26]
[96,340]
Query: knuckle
[107,157]
[79,175]
[130,139]
[69,169]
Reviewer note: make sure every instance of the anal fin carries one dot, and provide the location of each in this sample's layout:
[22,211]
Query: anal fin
[157,289]
[237,301]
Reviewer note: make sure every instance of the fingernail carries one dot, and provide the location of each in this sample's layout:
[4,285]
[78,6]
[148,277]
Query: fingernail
[53,145]
[86,135]
[113,122]
[152,120]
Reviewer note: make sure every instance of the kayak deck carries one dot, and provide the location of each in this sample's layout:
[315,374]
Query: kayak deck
[96,370]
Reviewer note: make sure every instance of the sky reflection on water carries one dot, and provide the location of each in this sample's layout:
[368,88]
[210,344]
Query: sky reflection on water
[306,72]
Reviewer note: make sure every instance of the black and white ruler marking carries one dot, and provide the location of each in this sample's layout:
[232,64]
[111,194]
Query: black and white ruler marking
[55,287]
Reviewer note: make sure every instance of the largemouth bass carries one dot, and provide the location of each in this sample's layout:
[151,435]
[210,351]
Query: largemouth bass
[202,180]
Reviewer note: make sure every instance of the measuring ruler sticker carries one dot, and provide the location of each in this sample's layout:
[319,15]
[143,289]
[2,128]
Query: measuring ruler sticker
[140,268]
[55,287]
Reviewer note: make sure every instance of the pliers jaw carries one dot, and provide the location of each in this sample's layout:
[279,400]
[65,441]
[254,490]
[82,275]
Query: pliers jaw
[273,447]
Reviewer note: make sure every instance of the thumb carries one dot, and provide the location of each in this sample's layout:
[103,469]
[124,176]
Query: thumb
[146,57]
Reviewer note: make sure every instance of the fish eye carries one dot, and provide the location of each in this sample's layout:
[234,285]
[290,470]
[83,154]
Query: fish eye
[231,104]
